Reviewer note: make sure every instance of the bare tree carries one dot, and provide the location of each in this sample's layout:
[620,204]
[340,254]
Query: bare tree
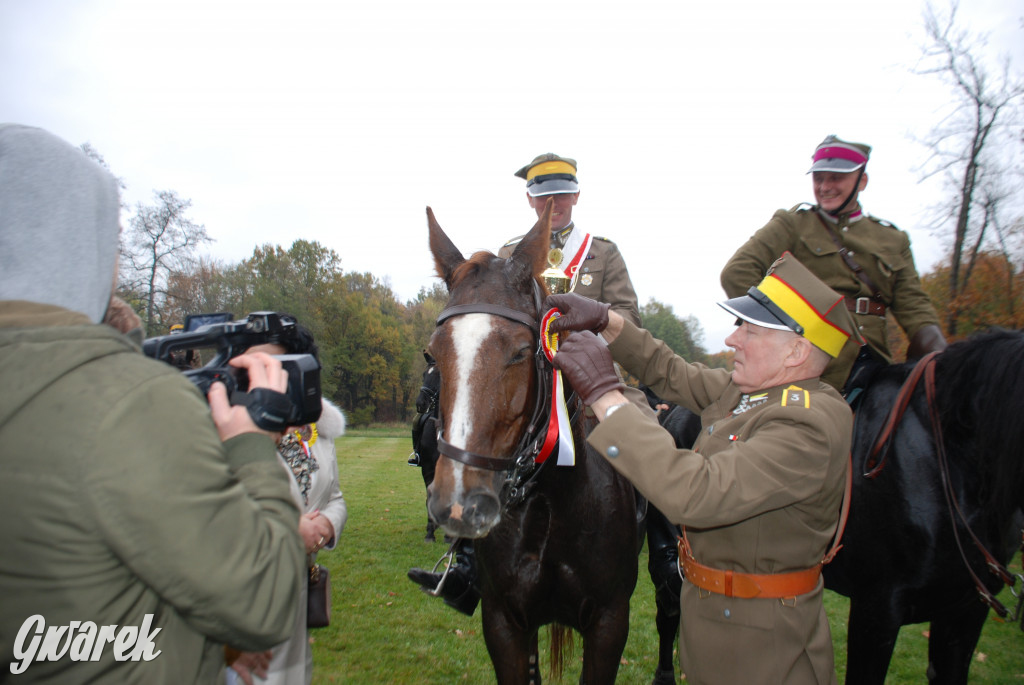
[975,145]
[160,239]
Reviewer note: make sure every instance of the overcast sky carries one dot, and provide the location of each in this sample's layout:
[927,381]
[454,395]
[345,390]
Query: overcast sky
[340,121]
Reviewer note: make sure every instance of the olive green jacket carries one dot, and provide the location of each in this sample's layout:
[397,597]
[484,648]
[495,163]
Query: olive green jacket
[119,501]
[881,249]
[760,492]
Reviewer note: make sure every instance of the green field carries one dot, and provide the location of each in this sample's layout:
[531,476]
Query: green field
[385,630]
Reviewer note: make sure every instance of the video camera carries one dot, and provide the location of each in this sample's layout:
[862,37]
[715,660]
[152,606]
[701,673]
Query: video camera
[271,411]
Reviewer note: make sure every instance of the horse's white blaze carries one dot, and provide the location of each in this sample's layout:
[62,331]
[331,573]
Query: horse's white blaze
[468,334]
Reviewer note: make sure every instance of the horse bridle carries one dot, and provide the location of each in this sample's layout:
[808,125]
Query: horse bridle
[529,446]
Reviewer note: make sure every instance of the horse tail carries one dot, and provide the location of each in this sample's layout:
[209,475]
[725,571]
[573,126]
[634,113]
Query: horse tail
[561,647]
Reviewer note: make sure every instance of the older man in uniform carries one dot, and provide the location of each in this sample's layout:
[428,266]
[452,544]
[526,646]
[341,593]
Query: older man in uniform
[868,260]
[759,495]
[596,270]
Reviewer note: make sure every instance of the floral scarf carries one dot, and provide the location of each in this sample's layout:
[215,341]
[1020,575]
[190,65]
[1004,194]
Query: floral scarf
[295,451]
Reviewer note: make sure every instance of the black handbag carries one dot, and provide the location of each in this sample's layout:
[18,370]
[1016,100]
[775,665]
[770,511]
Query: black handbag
[318,609]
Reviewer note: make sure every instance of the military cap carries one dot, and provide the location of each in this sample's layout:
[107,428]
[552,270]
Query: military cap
[549,174]
[840,156]
[792,298]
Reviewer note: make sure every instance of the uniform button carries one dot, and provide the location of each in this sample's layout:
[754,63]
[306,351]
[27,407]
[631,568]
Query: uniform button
[613,451]
[727,613]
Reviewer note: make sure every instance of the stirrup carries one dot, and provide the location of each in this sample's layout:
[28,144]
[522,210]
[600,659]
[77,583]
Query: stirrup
[414,459]
[448,557]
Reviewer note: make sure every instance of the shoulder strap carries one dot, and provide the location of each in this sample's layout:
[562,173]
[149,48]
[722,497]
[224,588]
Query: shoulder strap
[857,269]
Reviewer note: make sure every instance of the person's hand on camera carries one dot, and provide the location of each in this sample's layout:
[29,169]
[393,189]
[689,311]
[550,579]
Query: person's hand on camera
[232,420]
[578,313]
[587,365]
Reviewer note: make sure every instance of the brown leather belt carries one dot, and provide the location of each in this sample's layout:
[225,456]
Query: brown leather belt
[865,305]
[748,585]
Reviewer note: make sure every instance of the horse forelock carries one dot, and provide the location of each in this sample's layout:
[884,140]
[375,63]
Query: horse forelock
[471,268]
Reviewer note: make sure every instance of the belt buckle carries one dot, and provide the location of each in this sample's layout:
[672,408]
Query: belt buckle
[866,308]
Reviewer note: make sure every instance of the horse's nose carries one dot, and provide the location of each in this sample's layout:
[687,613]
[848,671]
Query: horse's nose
[469,517]
[480,512]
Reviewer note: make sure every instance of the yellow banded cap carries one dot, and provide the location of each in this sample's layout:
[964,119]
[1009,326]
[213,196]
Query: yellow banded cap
[792,298]
[549,174]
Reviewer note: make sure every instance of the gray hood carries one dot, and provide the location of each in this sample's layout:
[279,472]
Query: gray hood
[59,223]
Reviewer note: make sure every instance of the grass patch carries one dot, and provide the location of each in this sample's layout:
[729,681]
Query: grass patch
[384,630]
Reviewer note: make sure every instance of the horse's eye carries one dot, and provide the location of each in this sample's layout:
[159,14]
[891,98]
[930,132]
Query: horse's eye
[521,355]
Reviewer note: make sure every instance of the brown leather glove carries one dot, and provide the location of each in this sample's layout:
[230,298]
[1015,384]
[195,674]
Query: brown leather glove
[587,365]
[927,339]
[578,313]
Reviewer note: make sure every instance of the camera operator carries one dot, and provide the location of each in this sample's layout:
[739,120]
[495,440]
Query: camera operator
[143,527]
[309,453]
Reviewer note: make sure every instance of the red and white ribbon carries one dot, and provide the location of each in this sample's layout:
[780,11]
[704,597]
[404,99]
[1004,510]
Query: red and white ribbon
[559,430]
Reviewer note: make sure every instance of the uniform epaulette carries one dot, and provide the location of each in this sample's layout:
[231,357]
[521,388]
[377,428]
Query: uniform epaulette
[514,241]
[882,222]
[795,396]
[601,237]
[803,207]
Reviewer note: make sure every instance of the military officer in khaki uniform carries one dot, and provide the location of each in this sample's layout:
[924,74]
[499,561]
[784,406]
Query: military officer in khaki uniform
[592,262]
[760,494]
[868,260]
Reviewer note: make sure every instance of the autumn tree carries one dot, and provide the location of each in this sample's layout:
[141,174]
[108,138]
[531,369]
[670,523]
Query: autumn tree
[160,239]
[684,336]
[993,297]
[973,149]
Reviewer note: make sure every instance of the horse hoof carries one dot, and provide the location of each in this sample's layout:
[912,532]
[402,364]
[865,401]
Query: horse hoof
[429,537]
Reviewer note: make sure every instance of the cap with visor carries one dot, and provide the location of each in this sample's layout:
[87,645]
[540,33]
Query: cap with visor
[549,174]
[791,298]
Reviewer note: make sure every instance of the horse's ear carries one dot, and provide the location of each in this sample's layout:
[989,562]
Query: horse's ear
[531,254]
[447,257]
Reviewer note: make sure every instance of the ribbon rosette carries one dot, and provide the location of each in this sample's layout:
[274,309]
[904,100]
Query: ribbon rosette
[559,430]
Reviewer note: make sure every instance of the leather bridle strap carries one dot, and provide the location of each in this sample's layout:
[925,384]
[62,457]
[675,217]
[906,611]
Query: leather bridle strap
[445,448]
[484,308]
[479,461]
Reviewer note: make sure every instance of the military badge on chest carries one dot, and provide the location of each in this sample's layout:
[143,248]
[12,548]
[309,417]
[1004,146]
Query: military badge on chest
[748,402]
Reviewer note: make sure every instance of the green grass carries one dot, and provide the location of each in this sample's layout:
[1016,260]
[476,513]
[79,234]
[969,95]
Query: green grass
[385,630]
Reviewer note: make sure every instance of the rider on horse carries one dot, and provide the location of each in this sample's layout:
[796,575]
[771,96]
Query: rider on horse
[599,272]
[865,259]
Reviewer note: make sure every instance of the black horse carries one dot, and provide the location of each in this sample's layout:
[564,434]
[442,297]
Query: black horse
[424,431]
[935,515]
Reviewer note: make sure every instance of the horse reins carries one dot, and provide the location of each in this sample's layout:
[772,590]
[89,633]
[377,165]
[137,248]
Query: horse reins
[925,368]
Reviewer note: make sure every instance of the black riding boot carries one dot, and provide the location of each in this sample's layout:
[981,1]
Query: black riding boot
[864,368]
[460,590]
[663,561]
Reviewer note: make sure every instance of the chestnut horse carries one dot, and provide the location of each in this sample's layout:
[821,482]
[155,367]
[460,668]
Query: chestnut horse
[554,544]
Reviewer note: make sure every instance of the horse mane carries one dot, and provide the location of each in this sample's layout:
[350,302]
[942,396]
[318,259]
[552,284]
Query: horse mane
[979,382]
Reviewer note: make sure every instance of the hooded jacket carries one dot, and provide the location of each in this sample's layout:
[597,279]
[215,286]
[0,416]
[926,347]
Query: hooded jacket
[135,543]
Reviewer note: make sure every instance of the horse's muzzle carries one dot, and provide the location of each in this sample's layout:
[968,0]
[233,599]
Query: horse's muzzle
[472,516]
